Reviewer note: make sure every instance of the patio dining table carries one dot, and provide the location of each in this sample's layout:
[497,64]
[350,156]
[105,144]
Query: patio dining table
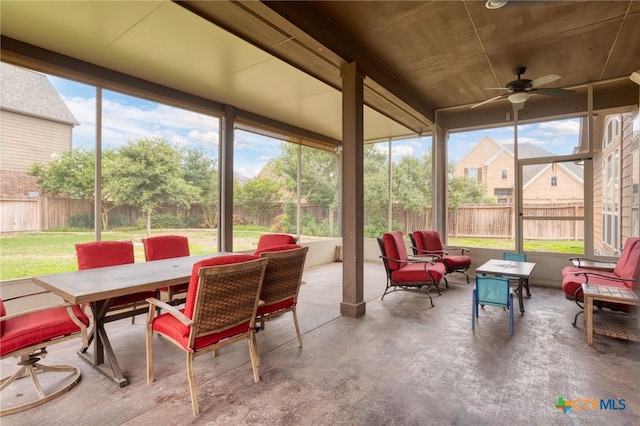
[98,287]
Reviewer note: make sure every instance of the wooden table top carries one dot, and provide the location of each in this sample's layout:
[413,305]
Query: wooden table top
[90,285]
[508,268]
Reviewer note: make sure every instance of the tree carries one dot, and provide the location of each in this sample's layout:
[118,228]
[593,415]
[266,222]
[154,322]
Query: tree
[466,190]
[258,197]
[150,174]
[412,182]
[73,173]
[200,170]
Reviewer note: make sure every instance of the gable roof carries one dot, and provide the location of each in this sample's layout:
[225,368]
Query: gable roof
[31,93]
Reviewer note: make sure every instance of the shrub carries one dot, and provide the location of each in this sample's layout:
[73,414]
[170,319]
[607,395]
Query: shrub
[118,221]
[81,220]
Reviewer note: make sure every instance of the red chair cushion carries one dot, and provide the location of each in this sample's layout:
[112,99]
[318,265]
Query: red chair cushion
[165,247]
[38,327]
[428,240]
[3,312]
[270,240]
[395,248]
[456,262]
[282,247]
[275,307]
[175,330]
[415,272]
[104,253]
[100,254]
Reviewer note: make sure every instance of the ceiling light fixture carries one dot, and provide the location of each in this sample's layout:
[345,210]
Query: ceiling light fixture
[635,77]
[495,4]
[518,98]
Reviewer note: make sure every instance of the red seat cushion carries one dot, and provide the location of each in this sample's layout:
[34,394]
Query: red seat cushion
[415,272]
[38,327]
[456,262]
[277,306]
[3,312]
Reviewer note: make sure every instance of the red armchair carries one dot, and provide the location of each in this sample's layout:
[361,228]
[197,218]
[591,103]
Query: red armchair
[281,285]
[404,273]
[110,253]
[26,335]
[626,274]
[430,243]
[222,300]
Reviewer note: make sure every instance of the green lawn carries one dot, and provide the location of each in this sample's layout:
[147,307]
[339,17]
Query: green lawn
[40,253]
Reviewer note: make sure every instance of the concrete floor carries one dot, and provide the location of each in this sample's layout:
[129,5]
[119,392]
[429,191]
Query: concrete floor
[403,363]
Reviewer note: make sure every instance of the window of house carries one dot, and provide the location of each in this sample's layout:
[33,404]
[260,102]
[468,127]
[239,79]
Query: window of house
[504,174]
[554,181]
[612,131]
[610,200]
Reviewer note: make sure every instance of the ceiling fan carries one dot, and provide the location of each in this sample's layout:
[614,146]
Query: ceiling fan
[518,91]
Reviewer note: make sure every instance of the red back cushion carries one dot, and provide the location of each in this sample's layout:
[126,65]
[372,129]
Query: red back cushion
[165,247]
[395,248]
[3,312]
[104,253]
[622,267]
[212,261]
[632,267]
[271,240]
[277,248]
[428,240]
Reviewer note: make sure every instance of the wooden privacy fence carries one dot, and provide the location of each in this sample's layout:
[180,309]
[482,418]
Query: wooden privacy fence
[469,220]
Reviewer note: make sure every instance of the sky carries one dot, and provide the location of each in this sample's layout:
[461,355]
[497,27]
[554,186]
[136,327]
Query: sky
[128,118]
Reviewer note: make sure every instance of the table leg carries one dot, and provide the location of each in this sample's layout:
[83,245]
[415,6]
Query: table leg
[102,345]
[588,317]
[520,288]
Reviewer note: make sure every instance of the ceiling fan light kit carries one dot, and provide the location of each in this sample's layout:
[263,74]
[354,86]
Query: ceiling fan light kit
[517,98]
[518,91]
[635,77]
[495,4]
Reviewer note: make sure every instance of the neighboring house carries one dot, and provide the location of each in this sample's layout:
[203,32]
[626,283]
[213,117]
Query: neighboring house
[492,165]
[35,125]
[616,175]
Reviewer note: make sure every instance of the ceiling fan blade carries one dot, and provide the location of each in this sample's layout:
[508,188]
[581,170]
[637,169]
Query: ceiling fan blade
[553,92]
[546,79]
[488,100]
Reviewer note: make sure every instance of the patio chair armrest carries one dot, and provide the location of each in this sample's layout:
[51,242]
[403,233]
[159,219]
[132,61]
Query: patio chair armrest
[433,253]
[42,308]
[172,310]
[606,277]
[577,260]
[414,259]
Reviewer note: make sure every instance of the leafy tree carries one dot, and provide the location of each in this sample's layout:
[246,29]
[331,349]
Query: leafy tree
[150,174]
[376,190]
[200,170]
[258,197]
[466,190]
[73,173]
[412,182]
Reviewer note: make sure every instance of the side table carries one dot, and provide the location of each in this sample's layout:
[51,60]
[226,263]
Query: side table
[608,294]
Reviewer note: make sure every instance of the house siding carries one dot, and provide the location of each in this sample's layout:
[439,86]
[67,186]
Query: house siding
[26,140]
